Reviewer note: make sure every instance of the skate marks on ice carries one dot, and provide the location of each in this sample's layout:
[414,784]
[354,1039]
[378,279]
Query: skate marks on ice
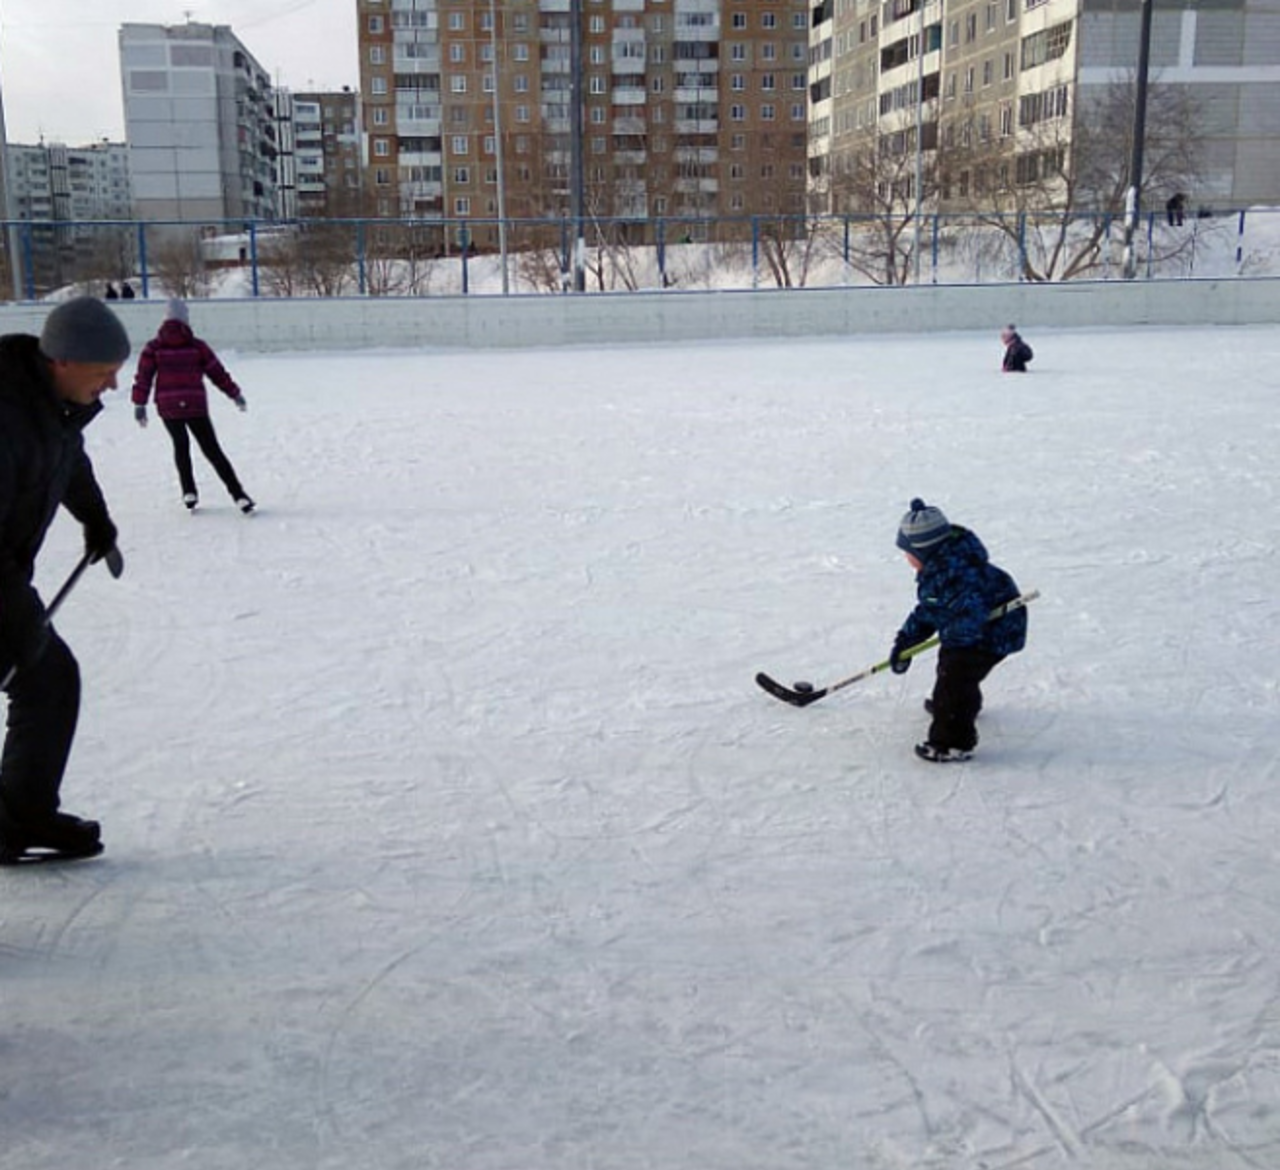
[445,827]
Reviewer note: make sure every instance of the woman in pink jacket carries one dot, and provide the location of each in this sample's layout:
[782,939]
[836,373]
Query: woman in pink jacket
[178,362]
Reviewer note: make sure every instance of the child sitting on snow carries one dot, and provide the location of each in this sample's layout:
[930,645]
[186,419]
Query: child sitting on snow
[1016,351]
[957,588]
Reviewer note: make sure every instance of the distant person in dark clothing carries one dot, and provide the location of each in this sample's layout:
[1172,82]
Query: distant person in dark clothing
[178,362]
[49,392]
[1176,210]
[1016,351]
[112,295]
[126,291]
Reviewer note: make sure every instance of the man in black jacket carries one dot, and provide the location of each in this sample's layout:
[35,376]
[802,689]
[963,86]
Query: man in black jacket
[49,391]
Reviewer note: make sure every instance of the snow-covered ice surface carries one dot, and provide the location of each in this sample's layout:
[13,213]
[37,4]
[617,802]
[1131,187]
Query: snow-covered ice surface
[446,827]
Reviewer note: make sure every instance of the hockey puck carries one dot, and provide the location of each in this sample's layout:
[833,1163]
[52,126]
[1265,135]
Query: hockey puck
[805,688]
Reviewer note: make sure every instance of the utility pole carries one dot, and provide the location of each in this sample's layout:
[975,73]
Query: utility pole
[577,200]
[1133,197]
[497,148]
[13,236]
[915,243]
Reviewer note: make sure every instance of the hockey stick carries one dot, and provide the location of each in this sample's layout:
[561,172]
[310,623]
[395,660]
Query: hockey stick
[115,566]
[804,698]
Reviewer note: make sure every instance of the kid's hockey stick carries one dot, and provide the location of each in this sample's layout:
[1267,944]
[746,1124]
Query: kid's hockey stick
[801,697]
[115,565]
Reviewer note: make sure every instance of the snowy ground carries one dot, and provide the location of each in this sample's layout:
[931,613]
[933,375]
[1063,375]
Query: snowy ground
[447,829]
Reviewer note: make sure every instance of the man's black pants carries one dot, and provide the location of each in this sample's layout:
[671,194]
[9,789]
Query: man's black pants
[44,705]
[957,697]
[180,431]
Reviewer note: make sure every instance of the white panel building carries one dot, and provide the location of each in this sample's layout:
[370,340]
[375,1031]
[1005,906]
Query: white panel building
[200,122]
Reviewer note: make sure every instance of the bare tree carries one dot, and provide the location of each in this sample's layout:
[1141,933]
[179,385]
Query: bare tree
[1054,204]
[875,189]
[179,264]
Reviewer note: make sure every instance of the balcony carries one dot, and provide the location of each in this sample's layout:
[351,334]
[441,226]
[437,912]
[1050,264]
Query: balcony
[553,5]
[628,126]
[701,186]
[630,157]
[629,96]
[697,126]
[697,154]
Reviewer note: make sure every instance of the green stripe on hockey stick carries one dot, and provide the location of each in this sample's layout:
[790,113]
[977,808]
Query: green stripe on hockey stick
[804,698]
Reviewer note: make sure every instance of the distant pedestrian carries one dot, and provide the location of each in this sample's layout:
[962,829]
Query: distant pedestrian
[1176,210]
[1016,351]
[126,291]
[112,295]
[178,362]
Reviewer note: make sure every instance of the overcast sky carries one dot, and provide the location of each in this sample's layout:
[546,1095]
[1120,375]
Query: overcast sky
[60,65]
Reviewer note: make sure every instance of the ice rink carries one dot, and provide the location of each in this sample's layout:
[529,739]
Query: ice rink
[447,829]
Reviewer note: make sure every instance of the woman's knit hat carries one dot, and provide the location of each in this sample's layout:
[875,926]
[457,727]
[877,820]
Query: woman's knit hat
[923,529]
[176,310]
[84,330]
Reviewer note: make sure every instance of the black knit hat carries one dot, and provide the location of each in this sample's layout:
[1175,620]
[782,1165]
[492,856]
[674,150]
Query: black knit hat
[83,329]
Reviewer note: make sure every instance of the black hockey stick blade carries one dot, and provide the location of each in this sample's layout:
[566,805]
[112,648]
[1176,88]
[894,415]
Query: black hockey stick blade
[786,694]
[115,562]
[17,860]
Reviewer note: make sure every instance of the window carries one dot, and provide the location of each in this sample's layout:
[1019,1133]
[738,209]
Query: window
[381,147]
[735,202]
[1010,11]
[487,83]
[460,144]
[797,82]
[1047,45]
[738,142]
[768,20]
[457,53]
[486,52]
[597,146]
[458,83]
[950,91]
[660,205]
[375,25]
[597,55]
[462,206]
[768,51]
[738,52]
[520,22]
[968,80]
[522,113]
[766,171]
[658,55]
[739,20]
[737,113]
[596,84]
[522,83]
[988,72]
[596,24]
[991,16]
[970,27]
[486,22]
[766,113]
[520,52]
[798,111]
[382,177]
[599,115]
[377,54]
[489,144]
[953,33]
[462,176]
[736,171]
[381,116]
[1006,121]
[798,21]
[1008,67]
[659,23]
[659,84]
[767,82]
[378,86]
[457,21]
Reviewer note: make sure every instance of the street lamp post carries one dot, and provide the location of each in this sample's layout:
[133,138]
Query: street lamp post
[919,210]
[497,148]
[8,213]
[577,194]
[1133,197]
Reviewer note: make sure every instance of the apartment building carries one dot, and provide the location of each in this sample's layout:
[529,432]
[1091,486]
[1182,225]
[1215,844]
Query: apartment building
[999,89]
[200,123]
[319,170]
[68,194]
[691,108]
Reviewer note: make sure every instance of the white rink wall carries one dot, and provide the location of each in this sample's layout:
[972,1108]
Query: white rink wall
[486,322]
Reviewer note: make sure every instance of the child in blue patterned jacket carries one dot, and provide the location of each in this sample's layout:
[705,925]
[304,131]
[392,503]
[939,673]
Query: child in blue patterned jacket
[957,587]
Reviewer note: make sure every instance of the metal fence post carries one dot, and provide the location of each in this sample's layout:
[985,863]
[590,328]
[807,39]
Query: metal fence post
[464,239]
[755,252]
[361,283]
[660,239]
[1240,244]
[933,259]
[1151,232]
[845,252]
[28,261]
[1022,245]
[143,263]
[253,258]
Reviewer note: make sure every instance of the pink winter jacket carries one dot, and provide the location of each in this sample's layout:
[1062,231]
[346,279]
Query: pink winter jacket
[178,362]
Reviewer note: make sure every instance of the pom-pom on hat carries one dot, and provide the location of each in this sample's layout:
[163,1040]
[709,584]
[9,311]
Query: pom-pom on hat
[83,329]
[923,529]
[176,310]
